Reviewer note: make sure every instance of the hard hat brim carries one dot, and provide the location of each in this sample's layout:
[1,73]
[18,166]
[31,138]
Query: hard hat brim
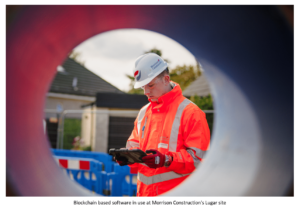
[142,83]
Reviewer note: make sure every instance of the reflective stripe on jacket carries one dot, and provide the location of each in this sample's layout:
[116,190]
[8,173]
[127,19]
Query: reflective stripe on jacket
[175,126]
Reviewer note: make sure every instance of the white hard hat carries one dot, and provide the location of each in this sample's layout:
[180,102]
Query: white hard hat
[147,67]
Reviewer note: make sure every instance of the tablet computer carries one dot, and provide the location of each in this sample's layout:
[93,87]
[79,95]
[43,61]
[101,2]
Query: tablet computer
[133,156]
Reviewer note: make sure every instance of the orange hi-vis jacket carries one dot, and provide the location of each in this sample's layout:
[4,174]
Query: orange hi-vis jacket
[173,125]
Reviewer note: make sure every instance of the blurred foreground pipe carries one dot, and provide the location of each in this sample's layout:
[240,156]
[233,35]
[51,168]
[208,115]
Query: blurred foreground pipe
[247,55]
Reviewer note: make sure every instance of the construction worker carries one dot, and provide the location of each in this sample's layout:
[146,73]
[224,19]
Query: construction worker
[171,129]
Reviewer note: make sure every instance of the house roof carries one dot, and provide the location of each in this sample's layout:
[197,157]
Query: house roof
[127,101]
[199,87]
[76,79]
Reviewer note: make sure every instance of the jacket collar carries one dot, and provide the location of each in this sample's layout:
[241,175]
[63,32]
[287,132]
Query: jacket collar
[167,98]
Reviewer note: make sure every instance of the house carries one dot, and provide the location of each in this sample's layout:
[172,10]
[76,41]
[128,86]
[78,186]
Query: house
[110,120]
[73,87]
[199,87]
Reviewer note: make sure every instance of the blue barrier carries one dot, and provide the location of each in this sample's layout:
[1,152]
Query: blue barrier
[99,156]
[105,176]
[85,171]
[119,178]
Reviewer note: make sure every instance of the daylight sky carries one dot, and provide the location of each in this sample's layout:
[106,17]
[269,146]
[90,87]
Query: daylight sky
[112,54]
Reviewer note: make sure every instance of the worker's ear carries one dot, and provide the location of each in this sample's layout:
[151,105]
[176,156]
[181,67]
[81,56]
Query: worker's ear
[166,79]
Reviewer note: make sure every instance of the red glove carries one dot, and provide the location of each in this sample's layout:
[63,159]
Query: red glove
[155,160]
[122,160]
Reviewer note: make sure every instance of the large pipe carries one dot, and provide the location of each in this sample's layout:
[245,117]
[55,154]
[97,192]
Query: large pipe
[247,55]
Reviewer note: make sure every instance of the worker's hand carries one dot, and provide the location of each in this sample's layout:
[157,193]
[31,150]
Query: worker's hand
[155,160]
[121,160]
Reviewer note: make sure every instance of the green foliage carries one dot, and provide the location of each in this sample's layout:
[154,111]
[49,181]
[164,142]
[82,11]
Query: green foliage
[184,75]
[210,121]
[133,90]
[155,50]
[205,103]
[72,128]
[158,52]
[88,148]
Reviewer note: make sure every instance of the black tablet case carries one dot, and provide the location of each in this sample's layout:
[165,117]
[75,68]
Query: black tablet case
[133,156]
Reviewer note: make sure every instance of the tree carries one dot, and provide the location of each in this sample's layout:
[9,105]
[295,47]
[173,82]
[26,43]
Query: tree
[154,50]
[184,75]
[205,103]
[158,52]
[133,90]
